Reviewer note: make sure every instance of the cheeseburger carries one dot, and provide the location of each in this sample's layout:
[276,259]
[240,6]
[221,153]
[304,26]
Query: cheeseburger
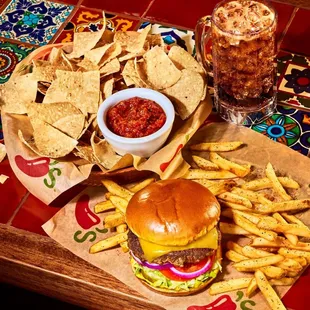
[173,239]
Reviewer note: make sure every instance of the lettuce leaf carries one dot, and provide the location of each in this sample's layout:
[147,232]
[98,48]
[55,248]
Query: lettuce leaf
[156,279]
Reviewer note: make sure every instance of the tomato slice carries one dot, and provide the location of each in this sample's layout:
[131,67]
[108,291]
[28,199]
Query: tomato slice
[186,269]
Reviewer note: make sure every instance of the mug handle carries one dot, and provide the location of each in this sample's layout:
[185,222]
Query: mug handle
[202,36]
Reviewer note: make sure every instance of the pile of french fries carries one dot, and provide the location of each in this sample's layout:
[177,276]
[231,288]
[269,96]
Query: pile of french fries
[117,199]
[261,210]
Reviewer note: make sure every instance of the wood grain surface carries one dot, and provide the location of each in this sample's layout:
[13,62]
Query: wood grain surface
[39,264]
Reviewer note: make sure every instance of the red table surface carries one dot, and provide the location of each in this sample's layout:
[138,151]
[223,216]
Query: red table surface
[21,209]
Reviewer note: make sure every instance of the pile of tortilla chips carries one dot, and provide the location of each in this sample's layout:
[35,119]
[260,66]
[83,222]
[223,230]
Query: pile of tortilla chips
[61,93]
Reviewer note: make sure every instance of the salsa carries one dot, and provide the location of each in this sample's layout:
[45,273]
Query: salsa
[135,117]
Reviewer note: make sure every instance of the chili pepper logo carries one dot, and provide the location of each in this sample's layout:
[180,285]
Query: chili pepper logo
[84,216]
[224,302]
[39,167]
[164,166]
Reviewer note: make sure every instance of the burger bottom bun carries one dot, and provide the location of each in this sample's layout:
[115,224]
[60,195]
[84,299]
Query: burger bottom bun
[172,293]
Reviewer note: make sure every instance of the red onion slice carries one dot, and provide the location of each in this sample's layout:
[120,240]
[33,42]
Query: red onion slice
[194,274]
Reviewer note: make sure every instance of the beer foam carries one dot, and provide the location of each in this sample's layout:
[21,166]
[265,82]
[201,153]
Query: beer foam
[243,17]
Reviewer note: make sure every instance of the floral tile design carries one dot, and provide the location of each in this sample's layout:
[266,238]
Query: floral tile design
[10,55]
[294,79]
[90,20]
[288,126]
[33,21]
[173,36]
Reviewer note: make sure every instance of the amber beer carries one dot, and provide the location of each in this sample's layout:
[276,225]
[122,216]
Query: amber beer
[243,53]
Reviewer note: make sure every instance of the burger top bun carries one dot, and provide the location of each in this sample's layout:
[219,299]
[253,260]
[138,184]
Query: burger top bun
[172,212]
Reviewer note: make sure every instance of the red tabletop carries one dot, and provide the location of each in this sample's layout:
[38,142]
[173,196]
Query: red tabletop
[175,21]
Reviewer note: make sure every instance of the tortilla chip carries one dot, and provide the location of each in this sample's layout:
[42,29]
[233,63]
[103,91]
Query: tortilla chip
[107,88]
[103,152]
[43,87]
[130,75]
[3,178]
[79,88]
[72,125]
[88,65]
[87,124]
[184,60]
[160,70]
[50,141]
[114,50]
[106,38]
[111,67]
[154,40]
[126,56]
[85,41]
[132,41]
[44,71]
[140,67]
[2,152]
[187,92]
[96,54]
[86,152]
[11,100]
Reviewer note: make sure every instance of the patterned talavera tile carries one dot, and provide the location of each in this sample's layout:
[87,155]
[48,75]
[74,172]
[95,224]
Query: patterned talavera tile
[10,55]
[90,20]
[173,36]
[288,126]
[33,21]
[294,79]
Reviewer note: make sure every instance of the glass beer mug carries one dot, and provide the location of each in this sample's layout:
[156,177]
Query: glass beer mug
[243,35]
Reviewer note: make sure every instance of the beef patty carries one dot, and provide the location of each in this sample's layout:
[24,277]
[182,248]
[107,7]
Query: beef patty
[177,258]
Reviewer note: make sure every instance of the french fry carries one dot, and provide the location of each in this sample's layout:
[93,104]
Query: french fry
[217,187]
[294,253]
[301,260]
[121,228]
[117,190]
[119,202]
[261,242]
[124,246]
[226,164]
[253,252]
[292,205]
[234,256]
[293,239]
[292,274]
[252,228]
[232,229]
[210,175]
[271,296]
[283,281]
[251,288]
[108,243]
[251,195]
[216,146]
[254,218]
[232,205]
[141,185]
[277,186]
[205,164]
[234,247]
[262,209]
[104,206]
[264,183]
[113,220]
[234,198]
[229,285]
[293,219]
[294,229]
[259,262]
[270,271]
[289,264]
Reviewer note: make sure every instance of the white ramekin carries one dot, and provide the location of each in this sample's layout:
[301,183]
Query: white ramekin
[144,146]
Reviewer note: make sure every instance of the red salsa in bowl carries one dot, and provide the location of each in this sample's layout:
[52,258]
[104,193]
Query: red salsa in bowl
[135,118]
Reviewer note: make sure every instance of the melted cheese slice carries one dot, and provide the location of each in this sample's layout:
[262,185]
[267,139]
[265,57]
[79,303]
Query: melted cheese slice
[152,250]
